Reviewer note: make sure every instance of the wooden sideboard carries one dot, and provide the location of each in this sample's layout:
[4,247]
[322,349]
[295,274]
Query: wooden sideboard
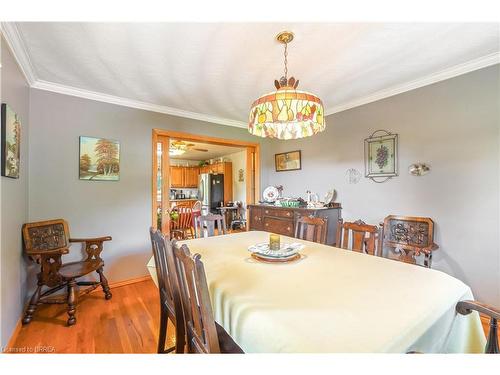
[282,220]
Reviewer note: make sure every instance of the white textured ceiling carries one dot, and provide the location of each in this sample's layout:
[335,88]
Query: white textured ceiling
[218,69]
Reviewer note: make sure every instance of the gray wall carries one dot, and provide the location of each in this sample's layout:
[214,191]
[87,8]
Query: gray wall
[121,209]
[14,209]
[454,126]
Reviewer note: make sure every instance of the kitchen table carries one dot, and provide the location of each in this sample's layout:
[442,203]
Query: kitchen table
[333,300]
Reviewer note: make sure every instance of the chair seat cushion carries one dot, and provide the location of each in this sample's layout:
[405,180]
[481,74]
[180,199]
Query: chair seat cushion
[77,269]
[226,343]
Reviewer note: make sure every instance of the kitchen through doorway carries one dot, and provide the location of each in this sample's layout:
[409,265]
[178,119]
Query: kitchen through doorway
[222,175]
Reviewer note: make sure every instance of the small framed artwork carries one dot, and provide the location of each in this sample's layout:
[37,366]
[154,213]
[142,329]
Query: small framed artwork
[11,142]
[99,159]
[381,155]
[288,161]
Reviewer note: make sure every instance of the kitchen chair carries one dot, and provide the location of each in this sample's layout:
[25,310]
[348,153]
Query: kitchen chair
[45,242]
[466,307]
[197,206]
[363,237]
[408,237]
[170,303]
[204,225]
[184,224]
[180,204]
[312,229]
[204,335]
[239,221]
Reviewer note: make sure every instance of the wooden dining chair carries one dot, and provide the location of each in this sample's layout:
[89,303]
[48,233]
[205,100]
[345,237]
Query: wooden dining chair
[466,307]
[204,335]
[363,237]
[311,229]
[170,302]
[408,237]
[205,225]
[184,224]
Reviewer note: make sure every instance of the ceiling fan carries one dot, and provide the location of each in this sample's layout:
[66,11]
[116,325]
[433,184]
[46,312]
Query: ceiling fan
[180,147]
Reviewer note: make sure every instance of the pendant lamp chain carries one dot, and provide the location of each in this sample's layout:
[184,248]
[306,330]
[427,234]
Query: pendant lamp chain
[286,61]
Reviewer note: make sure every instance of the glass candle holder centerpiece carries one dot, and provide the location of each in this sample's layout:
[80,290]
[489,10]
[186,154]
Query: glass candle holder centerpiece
[274,242]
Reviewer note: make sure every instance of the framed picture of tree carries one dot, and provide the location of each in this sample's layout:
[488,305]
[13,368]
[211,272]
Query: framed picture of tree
[99,159]
[11,142]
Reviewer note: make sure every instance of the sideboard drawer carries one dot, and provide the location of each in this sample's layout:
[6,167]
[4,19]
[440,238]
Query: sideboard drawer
[279,226]
[278,212]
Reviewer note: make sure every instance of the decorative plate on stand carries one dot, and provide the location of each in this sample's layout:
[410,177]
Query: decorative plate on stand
[270,194]
[261,258]
[329,197]
[288,252]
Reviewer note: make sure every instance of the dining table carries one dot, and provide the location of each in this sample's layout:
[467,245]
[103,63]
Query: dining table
[332,300]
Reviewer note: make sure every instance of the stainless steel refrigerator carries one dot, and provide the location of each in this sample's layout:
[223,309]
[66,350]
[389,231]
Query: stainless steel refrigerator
[211,187]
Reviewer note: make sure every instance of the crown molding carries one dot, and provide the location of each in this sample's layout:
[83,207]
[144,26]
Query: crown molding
[18,49]
[97,96]
[482,62]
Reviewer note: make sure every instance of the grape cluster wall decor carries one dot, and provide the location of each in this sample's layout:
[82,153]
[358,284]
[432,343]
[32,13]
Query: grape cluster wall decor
[381,156]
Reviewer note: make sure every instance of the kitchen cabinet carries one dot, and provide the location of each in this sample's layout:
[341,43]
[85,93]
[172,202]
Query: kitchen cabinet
[184,177]
[216,168]
[191,177]
[282,220]
[219,167]
[176,177]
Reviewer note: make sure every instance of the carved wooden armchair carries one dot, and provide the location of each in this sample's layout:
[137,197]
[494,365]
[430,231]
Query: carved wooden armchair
[466,307]
[45,242]
[409,237]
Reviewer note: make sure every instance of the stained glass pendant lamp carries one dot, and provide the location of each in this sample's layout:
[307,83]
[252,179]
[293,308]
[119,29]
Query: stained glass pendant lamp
[286,113]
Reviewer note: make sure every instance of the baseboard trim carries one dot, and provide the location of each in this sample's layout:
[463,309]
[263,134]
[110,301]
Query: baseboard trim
[130,281]
[119,284]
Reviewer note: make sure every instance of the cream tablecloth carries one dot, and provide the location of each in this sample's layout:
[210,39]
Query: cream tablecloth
[333,300]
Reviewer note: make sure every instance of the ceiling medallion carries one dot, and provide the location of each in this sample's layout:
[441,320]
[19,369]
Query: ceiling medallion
[286,113]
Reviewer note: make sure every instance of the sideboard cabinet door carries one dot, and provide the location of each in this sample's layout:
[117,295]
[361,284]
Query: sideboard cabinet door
[255,214]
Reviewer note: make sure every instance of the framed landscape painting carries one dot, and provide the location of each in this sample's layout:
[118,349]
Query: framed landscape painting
[381,153]
[287,161]
[99,159]
[11,142]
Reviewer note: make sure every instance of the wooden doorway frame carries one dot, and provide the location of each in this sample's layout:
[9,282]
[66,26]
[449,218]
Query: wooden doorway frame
[252,174]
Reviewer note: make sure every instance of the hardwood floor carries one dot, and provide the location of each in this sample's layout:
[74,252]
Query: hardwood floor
[128,323]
